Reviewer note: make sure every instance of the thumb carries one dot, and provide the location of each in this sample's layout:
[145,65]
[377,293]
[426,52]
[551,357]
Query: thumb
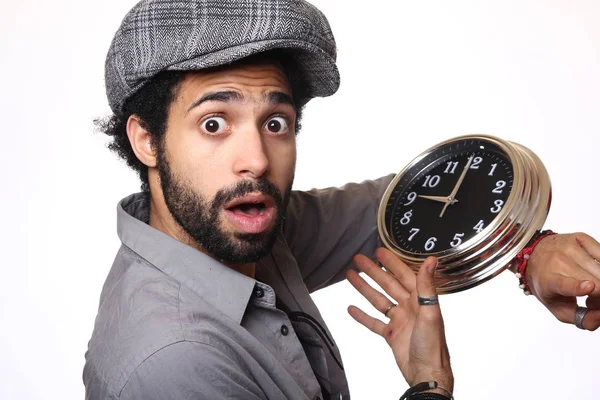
[569,287]
[425,278]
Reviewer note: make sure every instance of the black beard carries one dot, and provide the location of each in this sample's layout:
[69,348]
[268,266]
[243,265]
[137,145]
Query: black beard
[199,217]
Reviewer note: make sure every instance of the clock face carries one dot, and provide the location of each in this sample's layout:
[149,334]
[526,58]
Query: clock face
[449,196]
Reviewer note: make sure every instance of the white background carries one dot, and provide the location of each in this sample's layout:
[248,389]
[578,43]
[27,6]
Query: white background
[414,73]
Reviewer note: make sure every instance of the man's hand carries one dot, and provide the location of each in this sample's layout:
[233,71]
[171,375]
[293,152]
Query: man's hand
[562,268]
[414,332]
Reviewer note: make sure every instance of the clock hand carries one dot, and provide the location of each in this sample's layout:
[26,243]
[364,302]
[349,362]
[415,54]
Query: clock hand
[441,199]
[450,199]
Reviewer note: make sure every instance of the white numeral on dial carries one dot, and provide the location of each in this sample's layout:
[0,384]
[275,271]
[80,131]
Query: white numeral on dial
[476,162]
[479,227]
[430,243]
[457,240]
[450,167]
[499,186]
[498,206]
[413,232]
[431,181]
[406,218]
[493,169]
[411,198]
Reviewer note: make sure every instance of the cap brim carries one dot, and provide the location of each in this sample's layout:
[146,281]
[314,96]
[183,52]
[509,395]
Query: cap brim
[312,68]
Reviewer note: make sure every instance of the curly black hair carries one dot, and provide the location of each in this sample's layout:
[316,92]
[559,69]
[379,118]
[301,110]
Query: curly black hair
[151,104]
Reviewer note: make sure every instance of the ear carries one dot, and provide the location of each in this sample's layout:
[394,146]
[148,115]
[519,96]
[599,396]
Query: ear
[141,141]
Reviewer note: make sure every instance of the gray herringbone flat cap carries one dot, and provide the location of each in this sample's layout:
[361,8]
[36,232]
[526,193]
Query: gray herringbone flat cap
[158,35]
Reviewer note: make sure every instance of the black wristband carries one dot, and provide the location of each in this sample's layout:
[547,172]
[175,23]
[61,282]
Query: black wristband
[418,392]
[428,396]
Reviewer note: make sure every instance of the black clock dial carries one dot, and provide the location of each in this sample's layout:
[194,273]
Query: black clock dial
[421,217]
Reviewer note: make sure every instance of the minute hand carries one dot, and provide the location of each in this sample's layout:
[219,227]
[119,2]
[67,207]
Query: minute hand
[457,186]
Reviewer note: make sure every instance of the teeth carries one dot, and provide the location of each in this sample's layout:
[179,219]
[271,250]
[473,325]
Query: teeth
[261,211]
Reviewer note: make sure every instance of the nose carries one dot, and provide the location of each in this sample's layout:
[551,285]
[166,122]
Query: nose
[252,160]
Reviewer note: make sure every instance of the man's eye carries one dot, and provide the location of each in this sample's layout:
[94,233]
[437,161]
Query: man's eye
[277,125]
[214,125]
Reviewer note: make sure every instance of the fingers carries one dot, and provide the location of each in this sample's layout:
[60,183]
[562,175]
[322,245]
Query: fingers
[593,302]
[373,324]
[565,312]
[386,281]
[426,278]
[586,261]
[564,306]
[569,287]
[589,244]
[426,288]
[377,300]
[589,257]
[401,271]
[591,322]
[571,255]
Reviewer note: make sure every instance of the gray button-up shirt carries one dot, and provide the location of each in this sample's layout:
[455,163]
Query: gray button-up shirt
[174,323]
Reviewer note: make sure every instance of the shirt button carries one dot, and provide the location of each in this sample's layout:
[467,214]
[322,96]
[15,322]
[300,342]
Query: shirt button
[284,330]
[258,292]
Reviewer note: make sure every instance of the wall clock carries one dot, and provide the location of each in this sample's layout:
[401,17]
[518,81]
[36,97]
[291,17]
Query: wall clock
[473,201]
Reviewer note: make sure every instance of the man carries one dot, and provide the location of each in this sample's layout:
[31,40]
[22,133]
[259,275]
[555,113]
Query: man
[208,296]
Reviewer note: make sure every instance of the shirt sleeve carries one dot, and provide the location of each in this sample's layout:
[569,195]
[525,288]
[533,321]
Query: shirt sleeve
[190,370]
[325,228]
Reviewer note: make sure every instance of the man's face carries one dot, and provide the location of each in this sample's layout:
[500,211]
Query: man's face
[227,162]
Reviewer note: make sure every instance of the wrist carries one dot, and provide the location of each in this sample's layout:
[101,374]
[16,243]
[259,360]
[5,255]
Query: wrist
[520,263]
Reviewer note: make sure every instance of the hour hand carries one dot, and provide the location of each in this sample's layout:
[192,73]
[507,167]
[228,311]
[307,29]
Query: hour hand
[441,199]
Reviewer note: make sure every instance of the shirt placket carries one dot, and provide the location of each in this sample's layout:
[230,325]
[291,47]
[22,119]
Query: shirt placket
[280,338]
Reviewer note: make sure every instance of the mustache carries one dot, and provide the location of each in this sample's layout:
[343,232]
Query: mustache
[242,188]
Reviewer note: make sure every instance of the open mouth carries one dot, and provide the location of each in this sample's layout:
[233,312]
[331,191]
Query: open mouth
[249,209]
[253,213]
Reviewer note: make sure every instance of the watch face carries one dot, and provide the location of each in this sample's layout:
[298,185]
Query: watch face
[448,196]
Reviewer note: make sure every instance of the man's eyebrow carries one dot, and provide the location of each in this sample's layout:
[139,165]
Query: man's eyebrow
[279,98]
[225,97]
[229,96]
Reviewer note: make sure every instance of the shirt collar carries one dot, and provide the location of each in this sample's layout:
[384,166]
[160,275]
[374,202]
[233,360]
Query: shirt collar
[222,287]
